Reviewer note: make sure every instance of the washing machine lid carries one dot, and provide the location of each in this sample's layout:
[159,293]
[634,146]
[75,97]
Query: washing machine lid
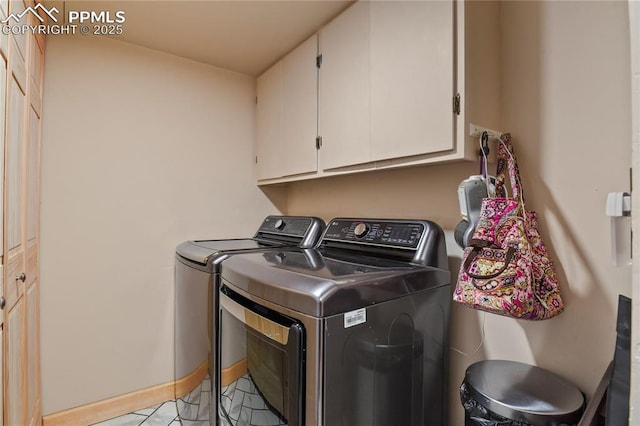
[274,232]
[206,251]
[322,285]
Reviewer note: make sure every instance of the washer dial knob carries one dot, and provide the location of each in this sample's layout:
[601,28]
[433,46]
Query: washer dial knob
[279,225]
[361,230]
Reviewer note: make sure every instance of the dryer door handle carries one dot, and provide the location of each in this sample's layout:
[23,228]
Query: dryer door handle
[265,326]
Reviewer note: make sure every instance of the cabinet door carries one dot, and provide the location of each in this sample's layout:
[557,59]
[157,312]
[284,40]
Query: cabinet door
[17,8]
[269,122]
[344,89]
[32,194]
[36,61]
[32,267]
[1,375]
[14,175]
[287,116]
[14,352]
[300,109]
[412,78]
[33,350]
[3,101]
[14,239]
[4,41]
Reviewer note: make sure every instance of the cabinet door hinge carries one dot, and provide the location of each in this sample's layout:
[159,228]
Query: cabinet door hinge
[319,60]
[256,100]
[318,142]
[456,104]
[256,159]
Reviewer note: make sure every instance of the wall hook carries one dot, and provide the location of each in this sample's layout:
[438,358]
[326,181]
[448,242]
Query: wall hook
[484,145]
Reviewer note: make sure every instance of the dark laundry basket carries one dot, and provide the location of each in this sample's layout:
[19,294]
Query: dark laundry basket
[509,393]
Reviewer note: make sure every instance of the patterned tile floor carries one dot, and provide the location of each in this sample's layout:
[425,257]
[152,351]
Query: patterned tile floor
[240,399]
[164,414]
[194,405]
[245,406]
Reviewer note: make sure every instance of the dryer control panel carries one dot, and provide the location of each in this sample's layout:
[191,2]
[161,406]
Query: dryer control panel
[403,234]
[417,241]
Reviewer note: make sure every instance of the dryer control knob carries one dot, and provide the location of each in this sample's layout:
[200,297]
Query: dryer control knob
[279,225]
[361,230]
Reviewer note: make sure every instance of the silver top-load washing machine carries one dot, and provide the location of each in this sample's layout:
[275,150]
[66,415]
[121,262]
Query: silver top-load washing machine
[352,333]
[196,305]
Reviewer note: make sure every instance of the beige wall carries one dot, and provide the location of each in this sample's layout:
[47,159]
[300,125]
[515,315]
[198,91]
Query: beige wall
[566,100]
[141,151]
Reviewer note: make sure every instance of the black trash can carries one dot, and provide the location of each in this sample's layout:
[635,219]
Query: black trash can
[509,393]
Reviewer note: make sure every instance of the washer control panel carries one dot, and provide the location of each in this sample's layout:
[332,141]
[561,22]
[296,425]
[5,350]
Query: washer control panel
[286,225]
[403,234]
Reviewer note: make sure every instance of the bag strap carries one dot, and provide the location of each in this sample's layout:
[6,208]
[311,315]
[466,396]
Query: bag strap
[511,251]
[507,162]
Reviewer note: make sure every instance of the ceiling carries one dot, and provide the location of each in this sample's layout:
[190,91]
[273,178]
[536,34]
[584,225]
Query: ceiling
[240,35]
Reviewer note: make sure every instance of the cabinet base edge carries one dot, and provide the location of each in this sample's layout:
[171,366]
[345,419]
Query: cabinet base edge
[391,164]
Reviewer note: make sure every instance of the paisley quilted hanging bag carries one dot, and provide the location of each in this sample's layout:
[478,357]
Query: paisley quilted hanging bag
[506,269]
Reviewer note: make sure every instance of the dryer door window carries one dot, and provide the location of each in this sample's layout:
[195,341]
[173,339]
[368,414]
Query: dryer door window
[262,364]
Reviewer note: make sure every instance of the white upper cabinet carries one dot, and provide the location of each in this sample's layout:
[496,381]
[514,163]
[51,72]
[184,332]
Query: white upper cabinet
[344,121]
[412,78]
[269,122]
[398,85]
[300,109]
[287,114]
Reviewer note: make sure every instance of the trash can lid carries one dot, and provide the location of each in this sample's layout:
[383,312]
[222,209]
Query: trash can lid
[524,392]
